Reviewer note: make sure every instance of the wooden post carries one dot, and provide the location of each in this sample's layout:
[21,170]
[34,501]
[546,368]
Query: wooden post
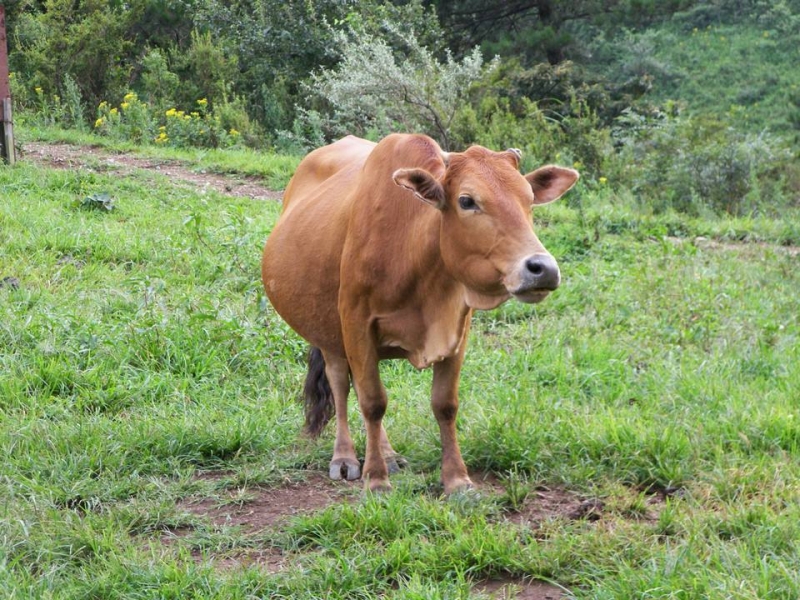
[6,122]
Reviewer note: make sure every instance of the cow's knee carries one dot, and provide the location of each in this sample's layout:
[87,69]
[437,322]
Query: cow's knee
[374,409]
[445,412]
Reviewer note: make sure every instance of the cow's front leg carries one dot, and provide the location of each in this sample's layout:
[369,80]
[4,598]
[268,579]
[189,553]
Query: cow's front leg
[444,402]
[344,463]
[372,401]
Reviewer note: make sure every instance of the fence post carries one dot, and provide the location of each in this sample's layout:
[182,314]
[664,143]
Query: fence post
[6,122]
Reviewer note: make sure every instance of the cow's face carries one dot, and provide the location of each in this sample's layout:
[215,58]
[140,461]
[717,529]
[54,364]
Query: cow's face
[487,239]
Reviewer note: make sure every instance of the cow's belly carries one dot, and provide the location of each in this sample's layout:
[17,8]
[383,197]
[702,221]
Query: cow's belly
[300,271]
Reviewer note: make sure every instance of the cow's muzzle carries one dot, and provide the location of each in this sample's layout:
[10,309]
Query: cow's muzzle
[538,276]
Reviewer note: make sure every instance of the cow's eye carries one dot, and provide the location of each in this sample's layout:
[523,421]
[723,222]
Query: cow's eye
[467,203]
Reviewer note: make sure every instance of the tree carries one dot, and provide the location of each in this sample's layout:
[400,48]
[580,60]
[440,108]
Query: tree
[536,30]
[375,87]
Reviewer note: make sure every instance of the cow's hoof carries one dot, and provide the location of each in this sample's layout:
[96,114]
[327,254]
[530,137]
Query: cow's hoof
[396,462]
[377,486]
[344,468]
[462,485]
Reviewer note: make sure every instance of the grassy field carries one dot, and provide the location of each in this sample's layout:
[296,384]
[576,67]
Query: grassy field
[143,373]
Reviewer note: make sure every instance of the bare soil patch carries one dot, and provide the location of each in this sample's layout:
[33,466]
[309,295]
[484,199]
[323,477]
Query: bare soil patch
[260,508]
[510,589]
[93,158]
[256,509]
[544,503]
[547,504]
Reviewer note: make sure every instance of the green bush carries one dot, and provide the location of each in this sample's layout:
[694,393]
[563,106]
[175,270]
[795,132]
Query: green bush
[159,83]
[699,164]
[377,87]
[575,139]
[90,41]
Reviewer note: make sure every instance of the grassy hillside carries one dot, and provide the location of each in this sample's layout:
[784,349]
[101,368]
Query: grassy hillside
[742,68]
[147,387]
[746,70]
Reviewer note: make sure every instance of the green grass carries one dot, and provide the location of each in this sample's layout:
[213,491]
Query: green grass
[138,352]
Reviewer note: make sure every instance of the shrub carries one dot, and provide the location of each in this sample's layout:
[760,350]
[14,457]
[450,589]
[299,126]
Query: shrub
[135,121]
[492,123]
[159,83]
[377,88]
[694,165]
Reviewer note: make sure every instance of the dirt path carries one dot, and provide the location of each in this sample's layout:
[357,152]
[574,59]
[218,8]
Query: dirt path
[94,158]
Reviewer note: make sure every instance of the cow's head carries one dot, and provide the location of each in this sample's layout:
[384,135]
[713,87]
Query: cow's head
[486,238]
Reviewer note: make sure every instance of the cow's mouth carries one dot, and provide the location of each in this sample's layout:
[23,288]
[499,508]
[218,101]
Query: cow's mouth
[531,296]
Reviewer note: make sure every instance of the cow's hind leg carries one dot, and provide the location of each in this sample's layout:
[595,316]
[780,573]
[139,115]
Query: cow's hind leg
[394,461]
[344,463]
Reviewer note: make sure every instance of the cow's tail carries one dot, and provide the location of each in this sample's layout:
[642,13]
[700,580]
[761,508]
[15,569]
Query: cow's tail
[317,394]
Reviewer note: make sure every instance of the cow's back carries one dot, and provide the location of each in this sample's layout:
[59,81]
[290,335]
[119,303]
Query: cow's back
[322,164]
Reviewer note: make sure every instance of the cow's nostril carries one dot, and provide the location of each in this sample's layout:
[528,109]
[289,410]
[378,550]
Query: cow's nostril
[535,266]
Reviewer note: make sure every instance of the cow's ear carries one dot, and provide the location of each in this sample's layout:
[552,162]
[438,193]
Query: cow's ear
[424,185]
[515,154]
[550,183]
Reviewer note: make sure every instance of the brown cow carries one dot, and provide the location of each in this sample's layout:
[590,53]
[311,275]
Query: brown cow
[383,251]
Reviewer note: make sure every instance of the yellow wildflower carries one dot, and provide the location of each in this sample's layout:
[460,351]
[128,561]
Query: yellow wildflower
[577,164]
[113,111]
[196,115]
[99,122]
[38,90]
[603,180]
[202,102]
[124,105]
[171,112]
[129,96]
[234,133]
[102,105]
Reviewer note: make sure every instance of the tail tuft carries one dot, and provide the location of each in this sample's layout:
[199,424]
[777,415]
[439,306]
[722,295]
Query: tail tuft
[317,394]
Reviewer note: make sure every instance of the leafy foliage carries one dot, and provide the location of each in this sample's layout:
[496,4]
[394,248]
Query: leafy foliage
[379,89]
[693,165]
[565,84]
